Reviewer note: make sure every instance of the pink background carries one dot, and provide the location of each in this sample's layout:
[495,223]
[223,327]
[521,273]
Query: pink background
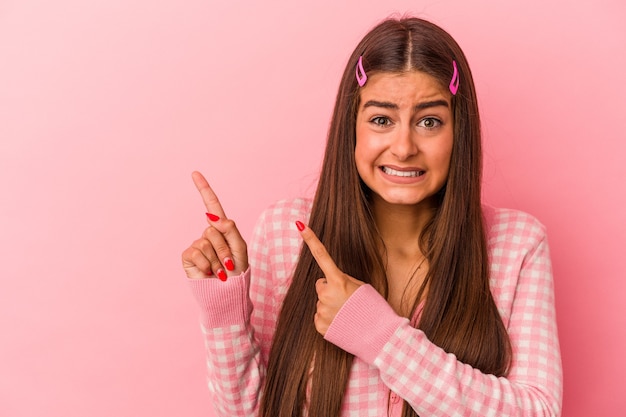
[107,106]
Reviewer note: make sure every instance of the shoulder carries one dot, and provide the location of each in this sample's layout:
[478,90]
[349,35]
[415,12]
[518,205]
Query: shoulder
[512,226]
[276,242]
[277,221]
[288,209]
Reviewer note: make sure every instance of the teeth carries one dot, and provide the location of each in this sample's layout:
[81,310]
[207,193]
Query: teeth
[390,171]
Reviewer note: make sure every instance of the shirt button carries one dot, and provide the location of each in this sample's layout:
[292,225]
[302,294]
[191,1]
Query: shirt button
[394,398]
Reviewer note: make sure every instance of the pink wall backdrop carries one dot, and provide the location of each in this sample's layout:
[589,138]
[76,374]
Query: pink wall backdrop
[107,106]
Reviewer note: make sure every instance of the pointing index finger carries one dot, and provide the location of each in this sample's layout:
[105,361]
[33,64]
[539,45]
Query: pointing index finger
[319,252]
[211,202]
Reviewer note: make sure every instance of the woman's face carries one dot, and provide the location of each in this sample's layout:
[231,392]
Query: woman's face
[404,135]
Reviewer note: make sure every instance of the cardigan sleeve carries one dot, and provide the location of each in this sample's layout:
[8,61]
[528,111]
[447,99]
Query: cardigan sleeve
[236,333]
[434,382]
[239,316]
[234,366]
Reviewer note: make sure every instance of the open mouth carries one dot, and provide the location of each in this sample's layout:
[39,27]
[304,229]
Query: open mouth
[396,173]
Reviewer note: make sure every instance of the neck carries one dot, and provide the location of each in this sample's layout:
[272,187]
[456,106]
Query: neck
[400,226]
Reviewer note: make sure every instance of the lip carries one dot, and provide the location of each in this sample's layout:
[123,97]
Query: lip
[402,180]
[403,169]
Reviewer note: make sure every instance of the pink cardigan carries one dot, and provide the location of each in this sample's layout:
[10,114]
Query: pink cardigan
[393,360]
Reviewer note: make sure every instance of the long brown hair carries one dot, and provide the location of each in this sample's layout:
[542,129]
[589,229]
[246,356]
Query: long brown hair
[459,314]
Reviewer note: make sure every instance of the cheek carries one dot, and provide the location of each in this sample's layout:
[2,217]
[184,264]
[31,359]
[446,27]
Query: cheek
[440,155]
[445,157]
[368,149]
[443,149]
[446,154]
[362,150]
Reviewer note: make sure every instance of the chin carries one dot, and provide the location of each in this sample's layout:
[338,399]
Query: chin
[400,200]
[406,200]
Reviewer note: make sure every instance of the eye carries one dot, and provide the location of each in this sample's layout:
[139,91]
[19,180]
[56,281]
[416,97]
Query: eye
[380,121]
[429,123]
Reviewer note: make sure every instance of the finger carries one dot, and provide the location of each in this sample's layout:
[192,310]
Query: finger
[230,246]
[319,252]
[207,249]
[320,324]
[195,262]
[211,202]
[321,288]
[229,230]
[220,247]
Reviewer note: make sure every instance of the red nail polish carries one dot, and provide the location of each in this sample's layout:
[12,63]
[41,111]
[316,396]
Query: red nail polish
[212,217]
[228,263]
[300,225]
[221,275]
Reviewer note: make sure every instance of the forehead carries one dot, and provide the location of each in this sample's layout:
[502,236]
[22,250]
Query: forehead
[408,87]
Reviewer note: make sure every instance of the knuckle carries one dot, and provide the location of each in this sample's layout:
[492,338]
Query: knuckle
[320,326]
[321,288]
[211,232]
[193,253]
[321,310]
[197,242]
[193,257]
[187,253]
[205,245]
[229,224]
[207,231]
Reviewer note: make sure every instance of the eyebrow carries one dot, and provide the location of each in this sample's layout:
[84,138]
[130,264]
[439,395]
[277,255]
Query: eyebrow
[389,105]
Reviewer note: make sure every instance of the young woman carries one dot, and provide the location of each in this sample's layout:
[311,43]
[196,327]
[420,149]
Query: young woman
[408,297]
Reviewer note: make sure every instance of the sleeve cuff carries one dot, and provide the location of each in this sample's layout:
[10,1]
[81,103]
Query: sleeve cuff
[223,303]
[364,324]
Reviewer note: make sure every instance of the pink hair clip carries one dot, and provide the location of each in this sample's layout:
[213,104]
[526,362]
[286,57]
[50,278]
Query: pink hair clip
[454,83]
[361,76]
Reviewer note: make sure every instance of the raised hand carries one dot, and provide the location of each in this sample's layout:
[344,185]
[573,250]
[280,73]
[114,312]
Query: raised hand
[220,251]
[334,289]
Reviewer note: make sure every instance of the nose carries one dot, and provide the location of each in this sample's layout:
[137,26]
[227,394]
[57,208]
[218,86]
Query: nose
[403,144]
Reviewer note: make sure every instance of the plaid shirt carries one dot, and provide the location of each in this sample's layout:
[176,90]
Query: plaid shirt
[393,360]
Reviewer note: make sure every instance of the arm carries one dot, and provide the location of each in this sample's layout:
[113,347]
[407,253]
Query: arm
[239,315]
[234,367]
[434,382]
[234,357]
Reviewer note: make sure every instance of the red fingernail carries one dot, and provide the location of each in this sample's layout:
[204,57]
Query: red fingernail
[212,217]
[228,263]
[300,225]
[221,275]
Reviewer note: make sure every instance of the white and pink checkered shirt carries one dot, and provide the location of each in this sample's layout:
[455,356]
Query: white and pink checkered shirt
[393,360]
